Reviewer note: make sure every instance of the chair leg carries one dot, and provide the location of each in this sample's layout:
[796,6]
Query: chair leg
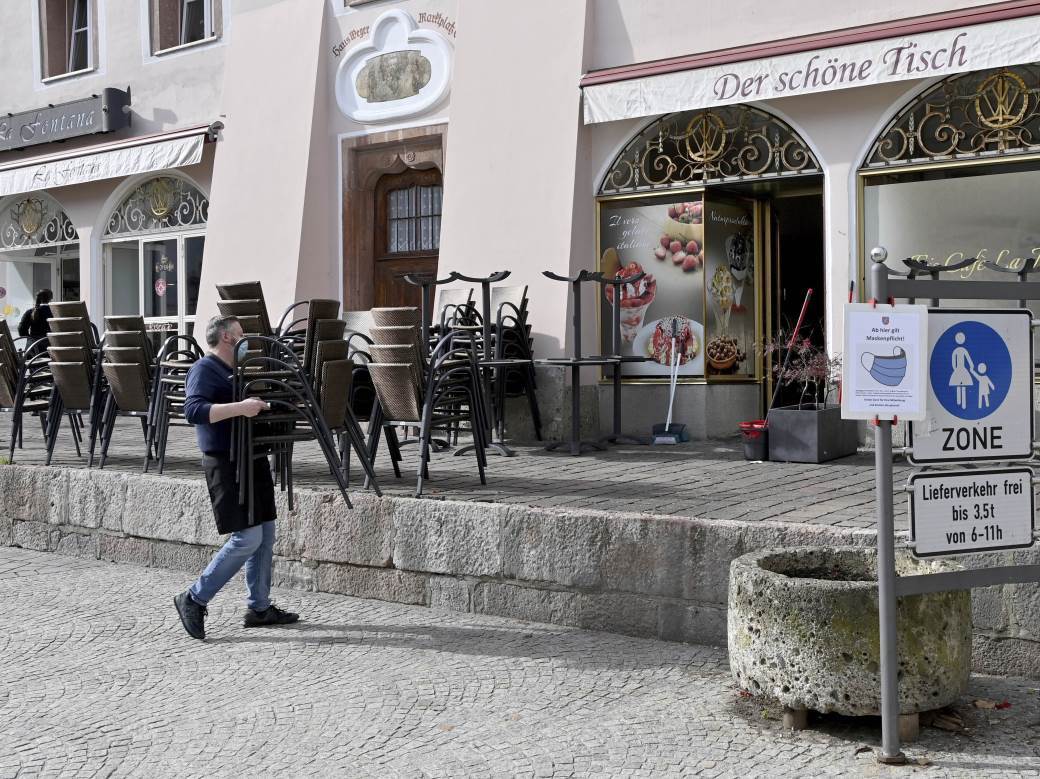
[393,446]
[375,429]
[53,424]
[163,433]
[532,402]
[357,441]
[74,425]
[108,425]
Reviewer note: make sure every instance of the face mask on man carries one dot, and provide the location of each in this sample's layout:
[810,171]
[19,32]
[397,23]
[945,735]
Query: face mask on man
[240,349]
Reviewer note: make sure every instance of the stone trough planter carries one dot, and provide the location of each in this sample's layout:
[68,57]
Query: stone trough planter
[803,629]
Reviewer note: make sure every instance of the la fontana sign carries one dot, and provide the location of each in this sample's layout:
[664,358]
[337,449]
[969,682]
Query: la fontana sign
[922,55]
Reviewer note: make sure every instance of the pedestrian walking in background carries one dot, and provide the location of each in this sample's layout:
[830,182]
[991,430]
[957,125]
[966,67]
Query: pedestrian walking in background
[33,324]
[210,408]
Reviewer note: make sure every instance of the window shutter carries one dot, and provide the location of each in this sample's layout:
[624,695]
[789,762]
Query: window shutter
[54,27]
[166,24]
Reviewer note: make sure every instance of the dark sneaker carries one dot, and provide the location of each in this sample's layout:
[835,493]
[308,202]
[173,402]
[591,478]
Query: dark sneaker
[192,614]
[272,615]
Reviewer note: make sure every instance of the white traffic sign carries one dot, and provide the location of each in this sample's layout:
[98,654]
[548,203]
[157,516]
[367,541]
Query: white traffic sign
[883,372]
[980,388]
[957,512]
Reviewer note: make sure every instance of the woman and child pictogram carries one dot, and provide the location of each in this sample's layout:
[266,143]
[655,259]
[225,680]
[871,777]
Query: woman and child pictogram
[965,372]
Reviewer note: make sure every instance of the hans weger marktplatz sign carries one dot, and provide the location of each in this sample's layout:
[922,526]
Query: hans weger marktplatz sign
[102,113]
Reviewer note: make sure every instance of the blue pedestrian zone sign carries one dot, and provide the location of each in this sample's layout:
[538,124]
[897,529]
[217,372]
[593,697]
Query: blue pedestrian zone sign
[979,400]
[970,370]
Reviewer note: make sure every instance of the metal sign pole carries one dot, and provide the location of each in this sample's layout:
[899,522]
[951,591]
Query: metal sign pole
[886,560]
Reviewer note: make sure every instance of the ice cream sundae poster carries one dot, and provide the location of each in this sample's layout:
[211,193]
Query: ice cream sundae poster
[731,301]
[657,246]
[885,362]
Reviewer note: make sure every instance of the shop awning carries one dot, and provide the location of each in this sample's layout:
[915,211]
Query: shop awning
[924,47]
[144,154]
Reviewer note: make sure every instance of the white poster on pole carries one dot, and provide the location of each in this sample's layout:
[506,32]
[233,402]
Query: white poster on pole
[884,364]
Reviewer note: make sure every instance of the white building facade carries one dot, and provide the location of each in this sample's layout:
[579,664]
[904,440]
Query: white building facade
[738,153]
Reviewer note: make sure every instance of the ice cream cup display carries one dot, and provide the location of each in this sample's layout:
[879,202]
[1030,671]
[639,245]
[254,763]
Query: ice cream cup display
[636,298]
[677,330]
[740,255]
[722,297]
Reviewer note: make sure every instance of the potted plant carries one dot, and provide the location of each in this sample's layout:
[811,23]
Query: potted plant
[812,430]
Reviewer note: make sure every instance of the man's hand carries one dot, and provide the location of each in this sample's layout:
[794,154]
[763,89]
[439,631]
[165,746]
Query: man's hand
[250,407]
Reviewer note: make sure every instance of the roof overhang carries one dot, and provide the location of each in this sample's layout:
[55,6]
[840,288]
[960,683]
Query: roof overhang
[132,156]
[978,38]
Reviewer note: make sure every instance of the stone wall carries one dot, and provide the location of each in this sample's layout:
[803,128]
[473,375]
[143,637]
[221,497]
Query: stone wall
[625,573]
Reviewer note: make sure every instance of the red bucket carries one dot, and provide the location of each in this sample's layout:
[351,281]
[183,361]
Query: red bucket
[755,437]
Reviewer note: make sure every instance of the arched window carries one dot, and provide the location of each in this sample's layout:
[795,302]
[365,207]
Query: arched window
[34,220]
[732,143]
[159,205]
[153,245]
[39,248]
[955,175]
[988,113]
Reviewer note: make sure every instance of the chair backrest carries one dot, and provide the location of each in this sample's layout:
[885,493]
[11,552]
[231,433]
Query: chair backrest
[358,321]
[73,382]
[334,382]
[327,351]
[6,339]
[317,331]
[396,317]
[124,323]
[456,296]
[242,290]
[251,314]
[69,308]
[75,338]
[70,354]
[8,378]
[398,394]
[128,385]
[393,336]
[130,355]
[117,338]
[69,324]
[510,297]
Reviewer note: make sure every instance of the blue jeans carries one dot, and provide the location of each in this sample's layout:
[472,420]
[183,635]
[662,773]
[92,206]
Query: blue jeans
[252,547]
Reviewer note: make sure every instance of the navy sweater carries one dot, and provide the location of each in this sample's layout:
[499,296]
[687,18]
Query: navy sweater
[209,382]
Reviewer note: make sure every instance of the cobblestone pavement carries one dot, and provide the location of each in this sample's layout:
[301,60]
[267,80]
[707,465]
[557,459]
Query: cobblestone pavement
[710,480]
[98,679]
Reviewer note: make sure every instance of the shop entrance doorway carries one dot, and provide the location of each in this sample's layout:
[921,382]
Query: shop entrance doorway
[797,265]
[407,234]
[790,234]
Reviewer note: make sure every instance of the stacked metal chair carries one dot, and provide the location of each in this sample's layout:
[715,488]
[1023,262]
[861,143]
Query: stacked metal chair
[10,366]
[431,393]
[175,358]
[73,354]
[270,370]
[33,390]
[362,393]
[245,301]
[513,341]
[125,383]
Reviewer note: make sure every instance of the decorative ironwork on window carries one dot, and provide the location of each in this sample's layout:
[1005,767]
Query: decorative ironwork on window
[731,143]
[159,205]
[982,114]
[413,219]
[35,221]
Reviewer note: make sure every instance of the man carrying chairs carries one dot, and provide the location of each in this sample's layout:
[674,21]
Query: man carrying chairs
[209,406]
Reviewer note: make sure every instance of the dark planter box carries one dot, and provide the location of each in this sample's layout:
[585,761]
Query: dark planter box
[810,435]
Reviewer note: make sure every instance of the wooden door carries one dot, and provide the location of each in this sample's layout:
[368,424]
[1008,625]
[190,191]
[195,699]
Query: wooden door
[407,234]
